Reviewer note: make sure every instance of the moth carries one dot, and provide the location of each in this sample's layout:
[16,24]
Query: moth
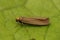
[33,21]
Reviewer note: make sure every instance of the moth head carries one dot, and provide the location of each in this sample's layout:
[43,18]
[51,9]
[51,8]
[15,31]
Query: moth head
[18,19]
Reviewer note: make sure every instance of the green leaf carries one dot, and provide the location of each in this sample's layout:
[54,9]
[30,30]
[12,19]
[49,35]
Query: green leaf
[11,9]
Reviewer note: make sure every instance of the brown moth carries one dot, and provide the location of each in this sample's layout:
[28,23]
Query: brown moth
[33,21]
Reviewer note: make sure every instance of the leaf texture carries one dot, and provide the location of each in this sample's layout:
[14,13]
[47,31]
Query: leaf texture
[11,9]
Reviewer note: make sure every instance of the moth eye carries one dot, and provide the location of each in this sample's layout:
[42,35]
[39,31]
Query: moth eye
[20,21]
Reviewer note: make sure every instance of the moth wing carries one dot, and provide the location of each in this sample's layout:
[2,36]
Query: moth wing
[42,19]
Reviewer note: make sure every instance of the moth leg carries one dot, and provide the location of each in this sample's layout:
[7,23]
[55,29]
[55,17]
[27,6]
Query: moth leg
[22,23]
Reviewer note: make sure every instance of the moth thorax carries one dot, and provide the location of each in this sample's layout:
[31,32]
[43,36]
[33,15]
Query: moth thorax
[20,18]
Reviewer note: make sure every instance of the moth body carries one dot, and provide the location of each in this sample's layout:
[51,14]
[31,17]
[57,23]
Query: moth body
[33,21]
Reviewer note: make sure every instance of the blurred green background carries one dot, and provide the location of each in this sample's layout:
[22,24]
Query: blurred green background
[10,9]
